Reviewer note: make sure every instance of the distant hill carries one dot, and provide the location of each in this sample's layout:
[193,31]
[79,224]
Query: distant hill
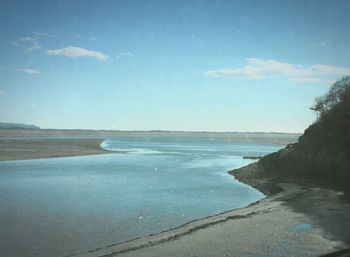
[322,153]
[4,125]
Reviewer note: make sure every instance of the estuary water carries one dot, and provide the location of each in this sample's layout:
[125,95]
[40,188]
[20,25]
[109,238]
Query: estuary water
[62,206]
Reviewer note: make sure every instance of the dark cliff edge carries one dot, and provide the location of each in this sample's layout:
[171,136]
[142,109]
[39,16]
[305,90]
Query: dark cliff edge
[321,156]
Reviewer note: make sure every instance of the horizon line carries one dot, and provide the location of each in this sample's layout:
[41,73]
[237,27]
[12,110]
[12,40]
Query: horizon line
[156,130]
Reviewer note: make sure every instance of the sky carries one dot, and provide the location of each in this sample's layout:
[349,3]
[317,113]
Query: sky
[170,65]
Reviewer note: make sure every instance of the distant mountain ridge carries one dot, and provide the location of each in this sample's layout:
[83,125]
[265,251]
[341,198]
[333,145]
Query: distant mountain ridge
[5,125]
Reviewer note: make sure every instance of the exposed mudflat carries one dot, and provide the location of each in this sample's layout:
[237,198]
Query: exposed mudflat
[24,149]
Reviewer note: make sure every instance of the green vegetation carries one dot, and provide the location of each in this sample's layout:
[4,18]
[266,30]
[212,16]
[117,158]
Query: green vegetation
[322,153]
[339,93]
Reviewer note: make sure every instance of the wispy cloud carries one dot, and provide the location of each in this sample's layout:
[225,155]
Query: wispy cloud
[30,71]
[27,43]
[266,68]
[125,54]
[74,52]
[43,34]
[2,92]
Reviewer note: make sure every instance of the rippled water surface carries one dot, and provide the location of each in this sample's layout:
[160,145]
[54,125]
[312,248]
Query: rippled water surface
[57,207]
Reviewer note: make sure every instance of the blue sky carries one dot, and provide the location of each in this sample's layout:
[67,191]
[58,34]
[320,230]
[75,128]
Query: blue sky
[170,65]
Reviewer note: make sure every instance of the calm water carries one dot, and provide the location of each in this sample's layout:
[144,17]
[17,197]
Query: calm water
[57,207]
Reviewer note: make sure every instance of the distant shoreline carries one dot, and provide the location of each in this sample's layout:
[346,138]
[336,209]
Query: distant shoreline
[24,144]
[228,137]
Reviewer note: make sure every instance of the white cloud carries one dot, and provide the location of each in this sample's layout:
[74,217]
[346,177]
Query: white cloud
[125,54]
[43,34]
[30,71]
[27,43]
[74,52]
[330,70]
[265,68]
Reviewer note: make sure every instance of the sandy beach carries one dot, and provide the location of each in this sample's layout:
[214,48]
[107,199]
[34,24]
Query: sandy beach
[22,149]
[297,221]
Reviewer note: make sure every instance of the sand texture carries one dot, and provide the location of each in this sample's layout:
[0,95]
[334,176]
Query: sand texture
[22,149]
[298,221]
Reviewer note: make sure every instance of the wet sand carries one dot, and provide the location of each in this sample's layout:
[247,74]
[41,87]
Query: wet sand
[297,221]
[22,149]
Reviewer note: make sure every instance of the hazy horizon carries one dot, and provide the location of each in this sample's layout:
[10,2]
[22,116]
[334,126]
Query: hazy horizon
[155,130]
[214,66]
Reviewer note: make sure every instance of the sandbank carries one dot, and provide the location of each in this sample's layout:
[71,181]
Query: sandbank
[24,149]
